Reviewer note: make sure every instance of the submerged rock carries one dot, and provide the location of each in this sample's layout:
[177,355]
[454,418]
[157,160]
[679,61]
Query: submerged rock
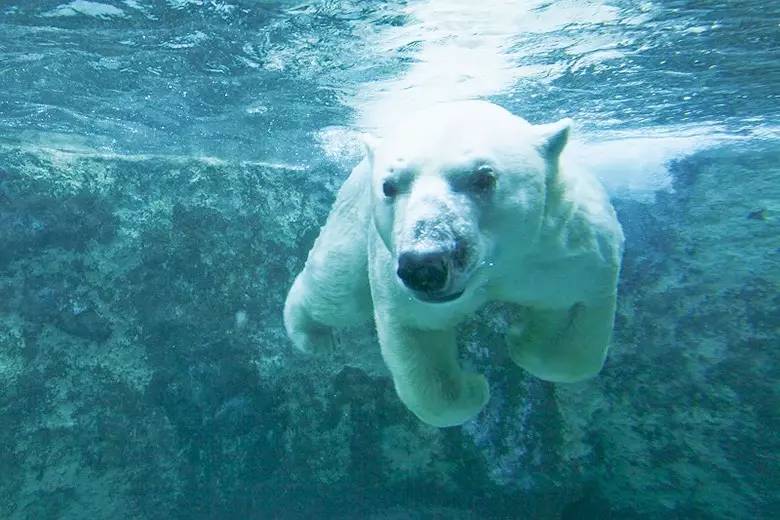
[145,373]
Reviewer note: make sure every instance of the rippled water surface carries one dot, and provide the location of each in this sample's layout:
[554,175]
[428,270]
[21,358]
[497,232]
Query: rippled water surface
[258,79]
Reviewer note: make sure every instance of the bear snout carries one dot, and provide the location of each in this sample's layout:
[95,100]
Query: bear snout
[425,271]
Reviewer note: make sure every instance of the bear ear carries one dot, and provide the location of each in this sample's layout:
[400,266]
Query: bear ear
[370,144]
[553,138]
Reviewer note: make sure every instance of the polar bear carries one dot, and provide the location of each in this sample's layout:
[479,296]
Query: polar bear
[462,204]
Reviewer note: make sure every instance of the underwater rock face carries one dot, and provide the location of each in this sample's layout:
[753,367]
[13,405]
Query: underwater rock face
[145,373]
[683,420]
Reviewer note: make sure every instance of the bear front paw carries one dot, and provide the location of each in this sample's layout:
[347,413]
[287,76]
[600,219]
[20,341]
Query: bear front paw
[476,394]
[307,334]
[314,339]
[448,403]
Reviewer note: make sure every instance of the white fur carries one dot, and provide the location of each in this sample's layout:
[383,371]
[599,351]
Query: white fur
[545,237]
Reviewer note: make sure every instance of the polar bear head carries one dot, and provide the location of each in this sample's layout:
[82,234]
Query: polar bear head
[458,187]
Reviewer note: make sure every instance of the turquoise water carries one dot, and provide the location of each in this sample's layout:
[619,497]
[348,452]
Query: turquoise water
[165,167]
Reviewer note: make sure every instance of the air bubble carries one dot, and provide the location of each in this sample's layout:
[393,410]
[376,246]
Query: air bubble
[241,319]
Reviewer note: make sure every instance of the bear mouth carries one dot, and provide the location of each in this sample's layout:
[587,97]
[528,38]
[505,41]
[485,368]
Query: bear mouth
[437,297]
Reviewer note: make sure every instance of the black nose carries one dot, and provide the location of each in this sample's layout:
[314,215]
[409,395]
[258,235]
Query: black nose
[425,272]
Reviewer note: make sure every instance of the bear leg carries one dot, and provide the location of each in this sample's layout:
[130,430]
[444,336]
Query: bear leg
[332,289]
[306,333]
[565,345]
[427,376]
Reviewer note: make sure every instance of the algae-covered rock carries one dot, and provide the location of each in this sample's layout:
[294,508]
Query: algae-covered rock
[145,373]
[683,420]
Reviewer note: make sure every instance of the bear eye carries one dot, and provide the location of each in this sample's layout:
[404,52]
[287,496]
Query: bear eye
[389,189]
[483,179]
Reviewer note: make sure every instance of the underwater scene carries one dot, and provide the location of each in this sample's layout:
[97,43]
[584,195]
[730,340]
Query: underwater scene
[165,169]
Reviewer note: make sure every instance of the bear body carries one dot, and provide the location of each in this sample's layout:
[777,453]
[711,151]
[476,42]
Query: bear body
[460,205]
